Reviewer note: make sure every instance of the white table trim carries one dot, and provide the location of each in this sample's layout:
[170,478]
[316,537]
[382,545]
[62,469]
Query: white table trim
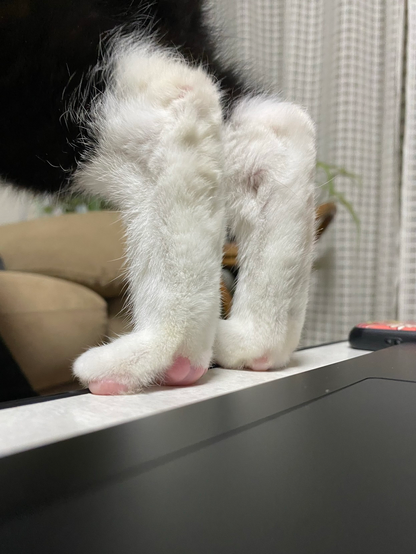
[32,425]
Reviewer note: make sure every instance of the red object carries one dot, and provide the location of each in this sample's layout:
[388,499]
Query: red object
[374,335]
[397,325]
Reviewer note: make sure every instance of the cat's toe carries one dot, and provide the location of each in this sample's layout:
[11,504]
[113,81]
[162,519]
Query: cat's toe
[180,374]
[240,345]
[260,364]
[134,362]
[183,373]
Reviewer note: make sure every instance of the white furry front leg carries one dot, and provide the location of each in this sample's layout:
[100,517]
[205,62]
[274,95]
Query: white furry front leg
[160,160]
[270,152]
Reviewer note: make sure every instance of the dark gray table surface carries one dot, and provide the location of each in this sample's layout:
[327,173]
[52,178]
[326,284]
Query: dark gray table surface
[322,462]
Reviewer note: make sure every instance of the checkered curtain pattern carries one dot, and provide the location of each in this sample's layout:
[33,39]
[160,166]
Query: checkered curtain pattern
[407,267]
[342,60]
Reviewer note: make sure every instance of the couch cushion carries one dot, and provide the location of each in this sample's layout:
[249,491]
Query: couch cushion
[46,323]
[83,248]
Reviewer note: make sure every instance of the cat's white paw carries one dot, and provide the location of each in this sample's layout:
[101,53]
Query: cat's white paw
[159,159]
[135,361]
[241,344]
[270,152]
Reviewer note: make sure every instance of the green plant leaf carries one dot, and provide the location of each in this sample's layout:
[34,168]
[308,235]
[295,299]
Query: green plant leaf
[331,173]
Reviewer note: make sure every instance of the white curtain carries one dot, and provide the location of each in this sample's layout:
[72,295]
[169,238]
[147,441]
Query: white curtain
[343,60]
[407,267]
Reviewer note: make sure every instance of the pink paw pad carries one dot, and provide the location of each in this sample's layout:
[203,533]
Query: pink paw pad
[182,373]
[107,387]
[261,364]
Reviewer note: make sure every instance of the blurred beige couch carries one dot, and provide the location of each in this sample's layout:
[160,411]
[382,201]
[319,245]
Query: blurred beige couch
[61,293]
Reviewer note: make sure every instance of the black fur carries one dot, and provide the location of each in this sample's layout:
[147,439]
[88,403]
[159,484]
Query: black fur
[46,50]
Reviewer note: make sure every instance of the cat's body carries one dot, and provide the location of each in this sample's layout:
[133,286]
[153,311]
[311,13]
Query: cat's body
[130,101]
[47,49]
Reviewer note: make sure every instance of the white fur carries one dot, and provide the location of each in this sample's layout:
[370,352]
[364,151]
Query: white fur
[161,146]
[160,160]
[270,153]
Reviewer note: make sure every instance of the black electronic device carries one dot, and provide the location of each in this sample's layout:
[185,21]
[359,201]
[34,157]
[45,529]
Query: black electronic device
[320,462]
[375,335]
